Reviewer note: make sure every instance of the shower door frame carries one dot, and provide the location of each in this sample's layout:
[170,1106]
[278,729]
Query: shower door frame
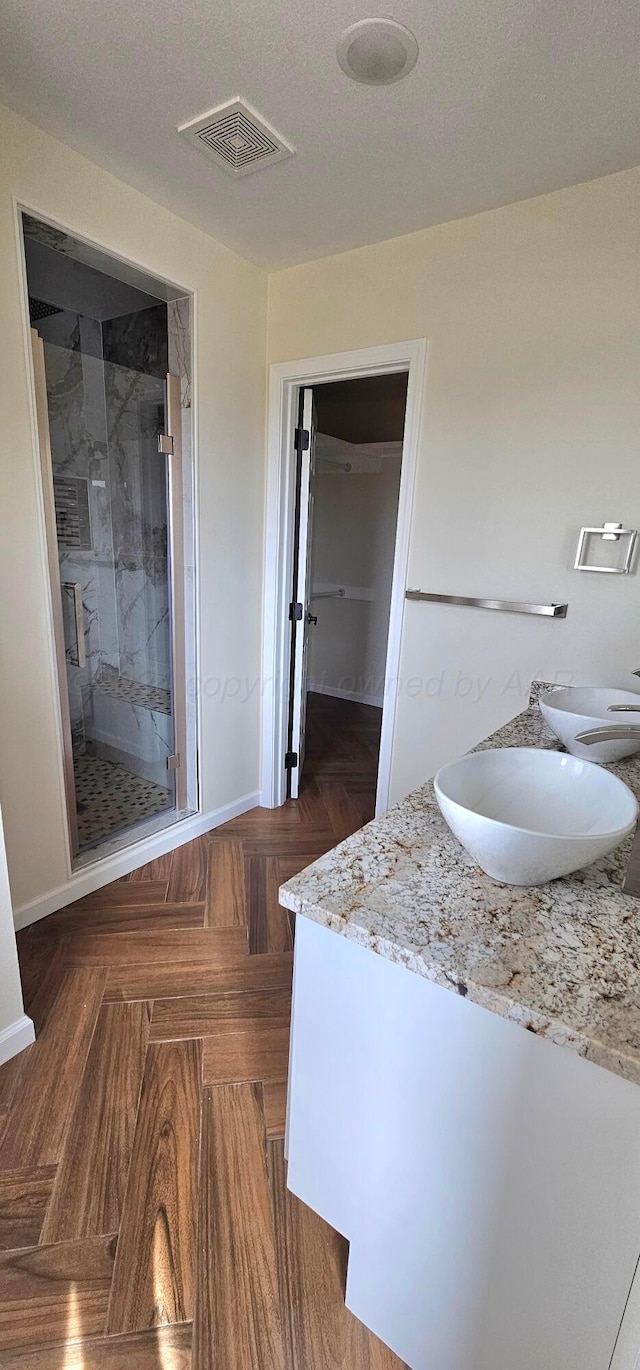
[175,560]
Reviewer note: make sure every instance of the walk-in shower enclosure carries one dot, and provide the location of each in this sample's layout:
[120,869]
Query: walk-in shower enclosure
[111,353]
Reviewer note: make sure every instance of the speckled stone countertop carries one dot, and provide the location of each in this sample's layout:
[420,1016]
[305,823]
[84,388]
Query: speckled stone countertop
[562,959]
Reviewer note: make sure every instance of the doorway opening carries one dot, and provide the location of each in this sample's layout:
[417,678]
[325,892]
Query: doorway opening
[349,442]
[111,369]
[342,453]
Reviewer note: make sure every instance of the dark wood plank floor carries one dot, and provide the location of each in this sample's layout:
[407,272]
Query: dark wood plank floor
[145,1222]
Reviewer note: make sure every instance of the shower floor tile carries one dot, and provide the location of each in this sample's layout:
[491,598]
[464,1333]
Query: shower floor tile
[110,798]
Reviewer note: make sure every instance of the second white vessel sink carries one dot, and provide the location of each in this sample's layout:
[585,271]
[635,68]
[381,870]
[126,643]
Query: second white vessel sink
[528,816]
[575,709]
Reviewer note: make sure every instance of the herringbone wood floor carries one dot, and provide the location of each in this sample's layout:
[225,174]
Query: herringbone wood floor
[145,1222]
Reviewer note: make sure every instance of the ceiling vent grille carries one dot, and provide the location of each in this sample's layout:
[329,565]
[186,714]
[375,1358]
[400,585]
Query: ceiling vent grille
[236,138]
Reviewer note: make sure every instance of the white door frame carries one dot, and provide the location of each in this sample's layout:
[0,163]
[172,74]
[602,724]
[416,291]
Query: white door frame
[285,380]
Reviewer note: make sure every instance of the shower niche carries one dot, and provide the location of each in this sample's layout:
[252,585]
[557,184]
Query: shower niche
[111,354]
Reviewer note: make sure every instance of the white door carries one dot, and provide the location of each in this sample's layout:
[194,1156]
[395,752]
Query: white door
[301,614]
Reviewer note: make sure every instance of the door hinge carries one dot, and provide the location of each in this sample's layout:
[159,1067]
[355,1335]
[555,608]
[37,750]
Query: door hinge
[295,611]
[173,762]
[165,444]
[290,760]
[302,436]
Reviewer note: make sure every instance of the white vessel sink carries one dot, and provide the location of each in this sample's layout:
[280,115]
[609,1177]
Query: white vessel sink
[576,708]
[528,816]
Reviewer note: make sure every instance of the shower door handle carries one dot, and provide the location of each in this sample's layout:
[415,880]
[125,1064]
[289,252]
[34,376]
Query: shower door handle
[74,588]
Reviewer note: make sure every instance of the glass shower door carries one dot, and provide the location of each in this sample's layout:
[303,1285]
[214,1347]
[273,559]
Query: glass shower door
[115,501]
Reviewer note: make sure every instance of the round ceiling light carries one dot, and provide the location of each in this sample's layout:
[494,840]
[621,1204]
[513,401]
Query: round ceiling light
[377,52]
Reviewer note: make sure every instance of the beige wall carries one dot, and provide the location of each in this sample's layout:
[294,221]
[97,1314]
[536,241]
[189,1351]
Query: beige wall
[530,429]
[230,308]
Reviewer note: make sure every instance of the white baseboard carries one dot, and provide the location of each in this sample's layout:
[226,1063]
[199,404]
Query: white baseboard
[119,863]
[16,1037]
[376,700]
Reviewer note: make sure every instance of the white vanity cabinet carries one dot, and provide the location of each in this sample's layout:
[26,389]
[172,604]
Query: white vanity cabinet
[487,1179]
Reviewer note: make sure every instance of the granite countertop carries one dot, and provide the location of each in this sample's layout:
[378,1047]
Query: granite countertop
[562,959]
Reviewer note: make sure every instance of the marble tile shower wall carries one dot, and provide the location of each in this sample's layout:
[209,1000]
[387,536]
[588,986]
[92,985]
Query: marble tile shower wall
[78,432]
[179,345]
[104,419]
[135,416]
[138,341]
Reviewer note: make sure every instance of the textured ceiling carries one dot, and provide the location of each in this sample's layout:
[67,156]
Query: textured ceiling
[509,99]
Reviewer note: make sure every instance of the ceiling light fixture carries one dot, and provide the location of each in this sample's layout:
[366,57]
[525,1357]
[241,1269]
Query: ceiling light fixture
[377,52]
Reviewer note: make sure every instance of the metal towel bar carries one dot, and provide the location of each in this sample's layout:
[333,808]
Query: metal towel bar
[507,606]
[328,594]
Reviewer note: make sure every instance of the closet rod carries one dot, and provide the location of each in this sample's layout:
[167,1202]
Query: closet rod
[335,461]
